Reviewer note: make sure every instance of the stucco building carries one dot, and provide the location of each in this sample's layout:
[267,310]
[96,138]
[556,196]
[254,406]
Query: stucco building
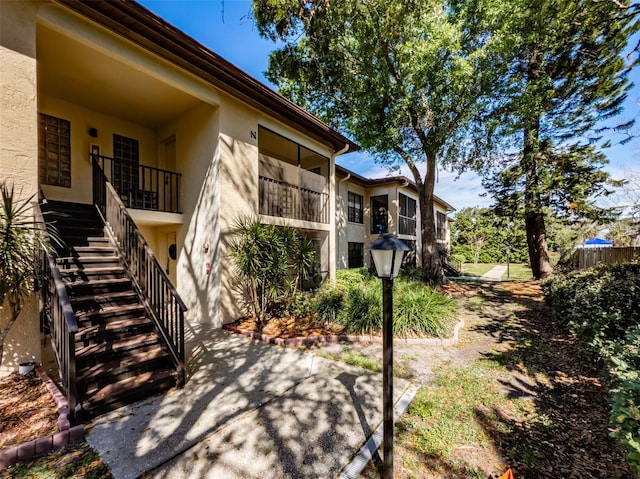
[106,104]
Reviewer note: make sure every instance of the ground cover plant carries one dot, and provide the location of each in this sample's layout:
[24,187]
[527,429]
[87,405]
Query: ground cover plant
[601,306]
[355,302]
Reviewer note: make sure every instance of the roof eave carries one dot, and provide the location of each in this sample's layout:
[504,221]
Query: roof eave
[141,26]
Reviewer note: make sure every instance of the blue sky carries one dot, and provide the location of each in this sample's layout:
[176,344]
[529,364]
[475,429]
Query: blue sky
[227,29]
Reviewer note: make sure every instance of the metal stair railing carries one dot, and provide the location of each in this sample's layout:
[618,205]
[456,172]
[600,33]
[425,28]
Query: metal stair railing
[160,298]
[57,309]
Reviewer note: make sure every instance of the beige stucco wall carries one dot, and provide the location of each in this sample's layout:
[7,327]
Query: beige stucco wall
[346,231]
[19,149]
[23,341]
[18,95]
[198,157]
[81,120]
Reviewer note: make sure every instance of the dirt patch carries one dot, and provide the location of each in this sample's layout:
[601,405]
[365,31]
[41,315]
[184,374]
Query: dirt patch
[27,410]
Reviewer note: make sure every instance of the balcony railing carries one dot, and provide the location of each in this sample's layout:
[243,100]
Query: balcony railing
[142,187]
[284,200]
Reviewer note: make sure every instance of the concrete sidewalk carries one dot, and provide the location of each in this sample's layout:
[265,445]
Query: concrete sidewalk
[248,410]
[495,273]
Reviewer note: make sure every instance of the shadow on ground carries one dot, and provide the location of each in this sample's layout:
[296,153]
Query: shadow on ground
[568,435]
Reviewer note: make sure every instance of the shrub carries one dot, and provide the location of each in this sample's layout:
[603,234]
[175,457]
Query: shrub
[420,310]
[355,301]
[353,278]
[601,306]
[328,303]
[298,305]
[624,368]
[362,309]
[269,261]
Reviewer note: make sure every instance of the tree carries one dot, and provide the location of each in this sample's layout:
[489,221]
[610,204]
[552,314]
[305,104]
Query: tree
[479,234]
[566,73]
[405,78]
[18,242]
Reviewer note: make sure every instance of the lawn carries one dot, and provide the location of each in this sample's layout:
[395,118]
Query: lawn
[517,271]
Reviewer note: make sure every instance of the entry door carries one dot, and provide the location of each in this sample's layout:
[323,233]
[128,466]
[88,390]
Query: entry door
[169,190]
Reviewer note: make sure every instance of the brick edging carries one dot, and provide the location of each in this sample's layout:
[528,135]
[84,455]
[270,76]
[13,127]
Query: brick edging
[348,338]
[40,447]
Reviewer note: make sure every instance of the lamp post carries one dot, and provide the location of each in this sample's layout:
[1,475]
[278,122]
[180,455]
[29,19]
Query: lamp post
[387,252]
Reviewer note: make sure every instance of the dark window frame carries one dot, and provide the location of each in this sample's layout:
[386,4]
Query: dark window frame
[126,174]
[441,226]
[54,151]
[355,254]
[355,208]
[407,215]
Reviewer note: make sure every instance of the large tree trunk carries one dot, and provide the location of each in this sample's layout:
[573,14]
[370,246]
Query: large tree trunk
[537,243]
[534,217]
[431,265]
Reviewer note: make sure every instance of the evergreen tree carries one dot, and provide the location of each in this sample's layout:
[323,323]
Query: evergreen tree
[566,73]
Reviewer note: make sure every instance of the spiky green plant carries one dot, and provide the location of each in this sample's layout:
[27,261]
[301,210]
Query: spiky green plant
[18,242]
[269,261]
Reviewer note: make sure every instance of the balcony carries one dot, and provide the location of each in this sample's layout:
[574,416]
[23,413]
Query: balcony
[142,187]
[285,200]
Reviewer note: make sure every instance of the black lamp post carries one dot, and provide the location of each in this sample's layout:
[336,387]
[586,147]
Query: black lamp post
[387,252]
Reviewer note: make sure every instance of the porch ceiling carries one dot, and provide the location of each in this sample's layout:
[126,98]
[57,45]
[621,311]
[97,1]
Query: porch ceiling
[75,72]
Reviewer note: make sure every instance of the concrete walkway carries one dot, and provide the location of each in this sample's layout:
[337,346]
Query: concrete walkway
[248,410]
[495,273]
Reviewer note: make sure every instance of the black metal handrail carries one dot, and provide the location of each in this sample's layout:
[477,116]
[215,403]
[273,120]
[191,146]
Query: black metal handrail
[57,308]
[160,298]
[284,200]
[142,187]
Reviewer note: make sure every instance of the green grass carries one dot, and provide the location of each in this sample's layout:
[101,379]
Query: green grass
[443,415]
[356,358]
[74,462]
[517,271]
[470,269]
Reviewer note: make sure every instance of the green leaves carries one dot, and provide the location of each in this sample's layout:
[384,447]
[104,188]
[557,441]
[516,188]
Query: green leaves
[270,262]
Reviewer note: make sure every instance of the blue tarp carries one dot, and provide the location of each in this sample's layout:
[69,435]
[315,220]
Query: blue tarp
[598,242]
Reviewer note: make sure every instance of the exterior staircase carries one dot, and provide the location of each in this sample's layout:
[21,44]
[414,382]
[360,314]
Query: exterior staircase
[119,357]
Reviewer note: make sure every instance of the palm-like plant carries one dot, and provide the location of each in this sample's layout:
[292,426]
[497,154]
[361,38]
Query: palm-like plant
[270,262]
[18,242]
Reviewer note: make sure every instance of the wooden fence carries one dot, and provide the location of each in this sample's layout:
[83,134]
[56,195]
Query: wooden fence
[587,257]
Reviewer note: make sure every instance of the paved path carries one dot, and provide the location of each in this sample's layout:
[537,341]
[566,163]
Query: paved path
[495,273]
[248,410]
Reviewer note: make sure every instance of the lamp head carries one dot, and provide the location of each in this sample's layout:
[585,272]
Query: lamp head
[387,252]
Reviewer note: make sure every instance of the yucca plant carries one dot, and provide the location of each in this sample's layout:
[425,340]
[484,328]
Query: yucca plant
[18,242]
[270,261]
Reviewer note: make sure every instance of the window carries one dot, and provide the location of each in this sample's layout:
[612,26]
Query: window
[379,214]
[355,207]
[356,255]
[126,153]
[54,151]
[407,215]
[441,226]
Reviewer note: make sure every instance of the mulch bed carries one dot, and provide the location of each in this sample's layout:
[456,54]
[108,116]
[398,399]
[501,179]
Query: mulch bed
[27,410]
[290,327]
